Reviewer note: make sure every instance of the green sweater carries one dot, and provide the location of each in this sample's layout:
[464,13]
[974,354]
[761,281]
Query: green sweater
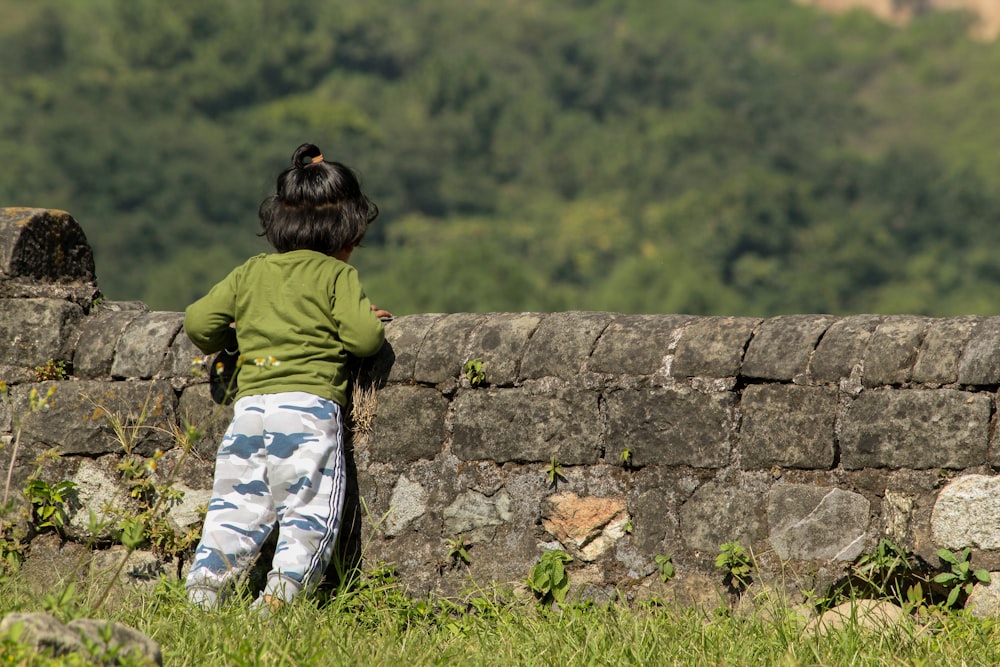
[298,316]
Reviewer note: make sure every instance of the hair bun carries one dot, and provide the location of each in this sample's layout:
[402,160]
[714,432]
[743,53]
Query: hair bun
[306,154]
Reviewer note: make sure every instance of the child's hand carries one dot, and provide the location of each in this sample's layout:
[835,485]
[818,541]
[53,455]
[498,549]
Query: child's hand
[383,315]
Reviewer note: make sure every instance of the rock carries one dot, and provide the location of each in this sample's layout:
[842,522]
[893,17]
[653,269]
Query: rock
[866,615]
[45,633]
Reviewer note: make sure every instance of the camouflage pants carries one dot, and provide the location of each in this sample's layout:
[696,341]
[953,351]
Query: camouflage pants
[281,463]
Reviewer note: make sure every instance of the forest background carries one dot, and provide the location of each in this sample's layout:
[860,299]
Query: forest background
[734,157]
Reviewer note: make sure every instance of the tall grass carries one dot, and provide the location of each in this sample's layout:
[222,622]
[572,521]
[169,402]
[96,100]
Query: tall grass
[376,624]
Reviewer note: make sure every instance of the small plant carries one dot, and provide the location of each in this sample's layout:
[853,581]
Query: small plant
[735,560]
[458,551]
[962,577]
[553,473]
[473,371]
[48,502]
[625,458]
[548,578]
[665,567]
[53,369]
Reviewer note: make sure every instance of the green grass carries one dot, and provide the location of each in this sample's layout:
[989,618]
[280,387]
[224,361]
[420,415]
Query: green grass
[376,624]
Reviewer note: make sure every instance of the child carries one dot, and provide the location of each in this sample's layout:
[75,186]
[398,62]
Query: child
[298,314]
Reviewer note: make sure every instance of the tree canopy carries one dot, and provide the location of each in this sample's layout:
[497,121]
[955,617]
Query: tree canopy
[737,157]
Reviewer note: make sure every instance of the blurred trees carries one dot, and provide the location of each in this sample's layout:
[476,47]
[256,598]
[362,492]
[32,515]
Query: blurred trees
[702,156]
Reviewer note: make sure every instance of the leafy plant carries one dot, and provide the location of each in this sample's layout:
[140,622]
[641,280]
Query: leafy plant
[458,551]
[962,577]
[734,559]
[665,567]
[53,369]
[625,458]
[473,370]
[48,502]
[553,473]
[548,578]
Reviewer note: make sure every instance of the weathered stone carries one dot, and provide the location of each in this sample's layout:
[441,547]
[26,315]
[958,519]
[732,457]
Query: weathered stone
[78,419]
[511,425]
[443,352]
[34,331]
[809,522]
[587,527]
[408,502]
[671,426]
[405,337]
[788,426]
[842,347]
[44,245]
[914,428]
[941,352]
[781,347]
[181,363]
[99,335]
[984,601]
[98,489]
[980,364]
[83,636]
[562,344]
[967,513]
[712,347]
[500,343]
[636,344]
[142,348]
[196,408]
[472,510]
[892,350]
[876,616]
[409,424]
[720,513]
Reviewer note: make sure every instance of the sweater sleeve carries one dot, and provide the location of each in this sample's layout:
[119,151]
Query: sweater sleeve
[361,332]
[207,321]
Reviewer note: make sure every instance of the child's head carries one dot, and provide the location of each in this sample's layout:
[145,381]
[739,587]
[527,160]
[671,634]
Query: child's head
[318,206]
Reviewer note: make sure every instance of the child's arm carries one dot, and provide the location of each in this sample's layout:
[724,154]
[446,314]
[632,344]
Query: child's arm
[358,326]
[208,321]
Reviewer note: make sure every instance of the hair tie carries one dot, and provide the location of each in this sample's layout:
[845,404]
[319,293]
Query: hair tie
[318,158]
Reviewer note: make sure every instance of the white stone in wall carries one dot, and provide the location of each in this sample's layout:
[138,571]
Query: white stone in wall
[967,513]
[408,502]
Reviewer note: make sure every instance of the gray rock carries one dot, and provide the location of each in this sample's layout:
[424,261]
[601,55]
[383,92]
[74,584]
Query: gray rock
[717,514]
[984,601]
[788,426]
[562,344]
[967,513]
[143,345]
[712,347]
[781,347]
[405,337]
[809,522]
[980,364]
[83,636]
[941,352]
[34,331]
[892,350]
[98,338]
[914,428]
[443,352]
[472,510]
[636,344]
[409,424]
[842,347]
[500,343]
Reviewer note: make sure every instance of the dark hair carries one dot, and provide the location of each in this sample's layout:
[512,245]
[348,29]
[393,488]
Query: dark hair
[318,206]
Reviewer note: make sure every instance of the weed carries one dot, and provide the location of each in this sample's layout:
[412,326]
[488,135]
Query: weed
[458,551]
[665,567]
[625,458]
[548,578]
[473,371]
[961,577]
[554,474]
[53,369]
[48,502]
[734,559]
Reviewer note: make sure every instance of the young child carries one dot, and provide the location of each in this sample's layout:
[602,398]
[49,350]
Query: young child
[298,313]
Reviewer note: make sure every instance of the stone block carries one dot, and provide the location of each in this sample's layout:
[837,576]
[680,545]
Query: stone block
[505,425]
[180,363]
[33,331]
[636,344]
[409,424]
[941,352]
[807,522]
[720,513]
[562,344]
[842,347]
[196,407]
[781,347]
[99,335]
[671,427]
[915,428]
[980,364]
[443,352]
[80,416]
[712,347]
[44,245]
[587,527]
[892,350]
[405,336]
[788,426]
[408,503]
[500,342]
[967,513]
[142,348]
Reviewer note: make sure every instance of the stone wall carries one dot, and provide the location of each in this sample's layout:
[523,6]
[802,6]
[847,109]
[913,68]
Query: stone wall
[617,438]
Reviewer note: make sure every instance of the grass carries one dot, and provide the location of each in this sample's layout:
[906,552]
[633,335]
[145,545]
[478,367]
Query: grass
[376,624]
